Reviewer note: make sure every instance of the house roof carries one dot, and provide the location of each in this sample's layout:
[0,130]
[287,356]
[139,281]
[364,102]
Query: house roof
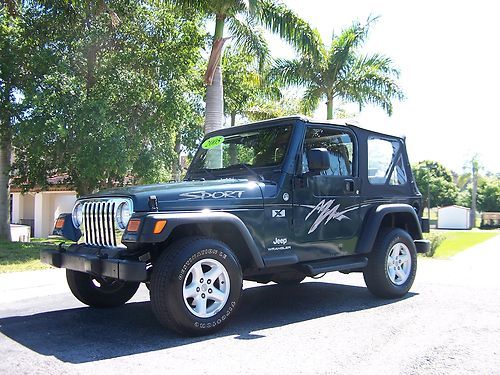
[54,183]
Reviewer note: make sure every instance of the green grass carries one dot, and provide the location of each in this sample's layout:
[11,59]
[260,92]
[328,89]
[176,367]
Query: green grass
[23,256]
[457,241]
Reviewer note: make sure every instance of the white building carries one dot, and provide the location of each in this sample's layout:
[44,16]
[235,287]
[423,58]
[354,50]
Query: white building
[40,209]
[454,217]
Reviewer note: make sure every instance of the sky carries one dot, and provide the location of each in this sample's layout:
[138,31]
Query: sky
[448,53]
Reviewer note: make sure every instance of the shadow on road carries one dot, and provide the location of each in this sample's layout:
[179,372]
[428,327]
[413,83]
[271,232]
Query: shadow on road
[86,334]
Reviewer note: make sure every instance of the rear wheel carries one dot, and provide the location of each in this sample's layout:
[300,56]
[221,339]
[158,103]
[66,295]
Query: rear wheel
[195,286]
[100,291]
[392,264]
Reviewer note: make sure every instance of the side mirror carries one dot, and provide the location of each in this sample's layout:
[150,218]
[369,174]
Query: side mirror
[318,159]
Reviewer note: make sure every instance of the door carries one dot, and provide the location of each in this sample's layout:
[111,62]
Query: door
[325,204]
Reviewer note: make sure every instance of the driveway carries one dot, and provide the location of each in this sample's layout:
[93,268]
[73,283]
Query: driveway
[449,323]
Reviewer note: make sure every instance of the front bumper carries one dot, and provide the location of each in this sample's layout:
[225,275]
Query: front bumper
[422,246]
[95,261]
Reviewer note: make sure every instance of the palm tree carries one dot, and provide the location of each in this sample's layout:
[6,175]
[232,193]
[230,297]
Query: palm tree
[340,72]
[242,19]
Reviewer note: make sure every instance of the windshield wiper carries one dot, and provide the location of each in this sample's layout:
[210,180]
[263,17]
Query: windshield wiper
[247,167]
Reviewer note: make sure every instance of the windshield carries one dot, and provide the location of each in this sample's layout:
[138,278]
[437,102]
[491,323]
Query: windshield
[265,147]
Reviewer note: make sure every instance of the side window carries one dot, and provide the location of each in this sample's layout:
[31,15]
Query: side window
[340,146]
[385,162]
[398,176]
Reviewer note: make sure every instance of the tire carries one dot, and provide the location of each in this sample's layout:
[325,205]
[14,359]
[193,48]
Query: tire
[183,292]
[392,264]
[288,278]
[100,291]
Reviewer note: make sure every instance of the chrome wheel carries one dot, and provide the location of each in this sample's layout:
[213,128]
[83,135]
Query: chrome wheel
[206,288]
[399,263]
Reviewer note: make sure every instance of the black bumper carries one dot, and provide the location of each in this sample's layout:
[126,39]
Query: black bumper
[422,246]
[96,262]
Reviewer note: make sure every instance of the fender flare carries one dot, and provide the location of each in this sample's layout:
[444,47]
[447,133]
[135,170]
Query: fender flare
[174,220]
[373,220]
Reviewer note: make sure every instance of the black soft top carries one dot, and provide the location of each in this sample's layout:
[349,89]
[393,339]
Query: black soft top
[286,120]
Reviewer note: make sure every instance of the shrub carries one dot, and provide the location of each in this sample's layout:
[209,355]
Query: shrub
[436,240]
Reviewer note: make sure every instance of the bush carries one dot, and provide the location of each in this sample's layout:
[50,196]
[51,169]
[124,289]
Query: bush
[436,240]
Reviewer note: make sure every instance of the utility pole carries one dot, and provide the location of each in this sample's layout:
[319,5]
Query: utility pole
[429,198]
[474,192]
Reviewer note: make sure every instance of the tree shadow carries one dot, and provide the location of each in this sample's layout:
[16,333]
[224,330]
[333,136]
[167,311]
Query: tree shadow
[87,334]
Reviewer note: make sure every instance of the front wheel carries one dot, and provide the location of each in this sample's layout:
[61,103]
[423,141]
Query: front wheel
[195,286]
[392,264]
[100,291]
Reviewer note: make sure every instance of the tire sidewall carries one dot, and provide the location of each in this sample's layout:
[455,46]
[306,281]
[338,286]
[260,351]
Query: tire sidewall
[192,253]
[83,288]
[394,237]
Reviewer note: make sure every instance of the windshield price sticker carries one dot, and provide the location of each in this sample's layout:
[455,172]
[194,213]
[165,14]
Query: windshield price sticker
[212,142]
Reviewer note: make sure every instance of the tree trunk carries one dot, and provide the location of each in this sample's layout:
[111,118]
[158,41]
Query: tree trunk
[233,154]
[5,165]
[176,165]
[90,79]
[214,110]
[214,101]
[329,108]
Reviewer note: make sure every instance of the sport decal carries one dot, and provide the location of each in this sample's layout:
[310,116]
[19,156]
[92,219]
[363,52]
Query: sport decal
[326,213]
[211,195]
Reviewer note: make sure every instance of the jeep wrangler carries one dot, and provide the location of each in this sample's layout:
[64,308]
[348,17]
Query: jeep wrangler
[277,200]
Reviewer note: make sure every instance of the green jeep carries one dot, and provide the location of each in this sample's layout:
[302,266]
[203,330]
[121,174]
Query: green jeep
[276,200]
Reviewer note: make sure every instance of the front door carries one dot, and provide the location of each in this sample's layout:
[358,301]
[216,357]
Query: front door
[325,204]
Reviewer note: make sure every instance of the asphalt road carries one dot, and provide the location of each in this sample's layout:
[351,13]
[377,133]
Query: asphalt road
[448,324]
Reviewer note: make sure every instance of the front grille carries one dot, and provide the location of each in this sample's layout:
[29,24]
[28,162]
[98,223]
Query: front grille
[99,226]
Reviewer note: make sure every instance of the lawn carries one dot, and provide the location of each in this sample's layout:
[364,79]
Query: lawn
[457,241]
[22,256]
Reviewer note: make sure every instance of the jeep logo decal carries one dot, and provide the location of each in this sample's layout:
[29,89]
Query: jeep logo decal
[280,241]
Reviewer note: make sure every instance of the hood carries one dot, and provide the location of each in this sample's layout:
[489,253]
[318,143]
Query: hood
[192,195]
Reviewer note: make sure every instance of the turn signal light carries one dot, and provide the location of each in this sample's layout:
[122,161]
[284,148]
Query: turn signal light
[159,225]
[133,225]
[59,223]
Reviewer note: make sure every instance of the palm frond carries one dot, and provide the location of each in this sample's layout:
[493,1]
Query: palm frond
[250,39]
[289,26]
[290,72]
[252,6]
[310,99]
[377,62]
[344,46]
[230,7]
[199,5]
[370,84]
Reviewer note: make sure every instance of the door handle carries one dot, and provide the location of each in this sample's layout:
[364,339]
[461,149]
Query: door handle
[349,185]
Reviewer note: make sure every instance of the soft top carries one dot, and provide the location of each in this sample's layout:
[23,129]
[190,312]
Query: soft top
[275,121]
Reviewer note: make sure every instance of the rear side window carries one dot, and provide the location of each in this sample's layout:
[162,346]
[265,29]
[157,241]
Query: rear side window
[398,176]
[339,145]
[385,162]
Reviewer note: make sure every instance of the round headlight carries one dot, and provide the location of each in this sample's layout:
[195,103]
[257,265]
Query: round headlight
[77,215]
[123,215]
